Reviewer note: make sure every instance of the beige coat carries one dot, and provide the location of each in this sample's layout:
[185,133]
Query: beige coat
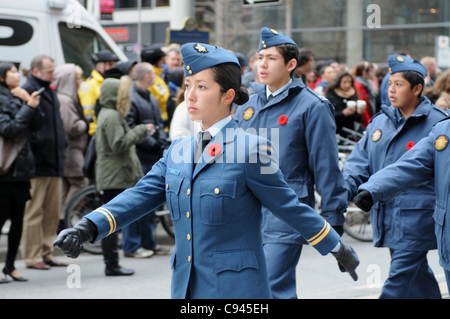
[73,119]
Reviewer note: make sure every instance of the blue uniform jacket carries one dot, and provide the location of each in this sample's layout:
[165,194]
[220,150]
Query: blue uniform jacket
[308,153]
[404,222]
[428,161]
[216,211]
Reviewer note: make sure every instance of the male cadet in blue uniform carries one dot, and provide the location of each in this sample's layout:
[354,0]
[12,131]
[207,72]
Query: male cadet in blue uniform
[429,160]
[404,224]
[308,153]
[215,205]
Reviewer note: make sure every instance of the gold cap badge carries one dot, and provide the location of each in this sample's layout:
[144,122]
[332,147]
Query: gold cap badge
[200,48]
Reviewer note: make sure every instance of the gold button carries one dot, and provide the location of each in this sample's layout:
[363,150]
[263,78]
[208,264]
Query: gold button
[167,186]
[263,42]
[188,215]
[190,71]
[189,259]
[217,191]
[188,192]
[188,67]
[188,237]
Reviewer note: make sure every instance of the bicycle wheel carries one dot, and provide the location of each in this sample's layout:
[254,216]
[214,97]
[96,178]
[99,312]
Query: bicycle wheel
[82,203]
[166,222]
[358,224]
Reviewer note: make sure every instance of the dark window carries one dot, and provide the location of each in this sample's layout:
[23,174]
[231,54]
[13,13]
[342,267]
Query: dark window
[79,44]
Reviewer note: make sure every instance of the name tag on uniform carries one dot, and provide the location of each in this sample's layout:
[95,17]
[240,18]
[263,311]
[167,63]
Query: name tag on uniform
[173,171]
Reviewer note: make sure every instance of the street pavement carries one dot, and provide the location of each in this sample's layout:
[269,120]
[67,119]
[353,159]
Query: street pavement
[318,277]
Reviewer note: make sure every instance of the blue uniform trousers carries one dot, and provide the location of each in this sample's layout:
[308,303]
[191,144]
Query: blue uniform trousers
[282,259]
[139,234]
[447,276]
[410,277]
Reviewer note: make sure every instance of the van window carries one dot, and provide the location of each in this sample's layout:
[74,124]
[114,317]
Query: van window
[79,44]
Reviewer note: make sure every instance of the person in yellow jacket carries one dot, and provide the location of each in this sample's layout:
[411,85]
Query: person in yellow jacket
[156,57]
[89,90]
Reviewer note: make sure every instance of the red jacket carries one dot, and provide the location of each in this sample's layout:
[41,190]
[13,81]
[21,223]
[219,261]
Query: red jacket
[361,92]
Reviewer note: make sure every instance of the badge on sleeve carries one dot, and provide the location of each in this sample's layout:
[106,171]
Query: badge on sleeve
[376,135]
[248,113]
[441,143]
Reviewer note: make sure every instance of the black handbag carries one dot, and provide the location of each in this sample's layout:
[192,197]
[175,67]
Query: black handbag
[9,150]
[89,159]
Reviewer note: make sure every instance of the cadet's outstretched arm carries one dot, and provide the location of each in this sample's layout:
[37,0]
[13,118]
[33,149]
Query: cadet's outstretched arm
[275,194]
[410,171]
[124,209]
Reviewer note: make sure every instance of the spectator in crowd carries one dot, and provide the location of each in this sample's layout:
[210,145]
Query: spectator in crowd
[380,74]
[89,91]
[175,81]
[117,166]
[442,91]
[156,57]
[138,238]
[67,82]
[306,65]
[363,72]
[173,59]
[340,93]
[328,75]
[48,146]
[432,69]
[251,73]
[20,116]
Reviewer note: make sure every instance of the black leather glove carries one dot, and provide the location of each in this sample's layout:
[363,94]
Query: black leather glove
[339,230]
[71,240]
[347,260]
[364,201]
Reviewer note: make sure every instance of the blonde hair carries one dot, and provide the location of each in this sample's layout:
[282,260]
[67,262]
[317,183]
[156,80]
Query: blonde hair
[78,72]
[442,83]
[124,95]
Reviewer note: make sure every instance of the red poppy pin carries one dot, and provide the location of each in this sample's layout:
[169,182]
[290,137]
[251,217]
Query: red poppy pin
[283,120]
[52,87]
[214,149]
[410,145]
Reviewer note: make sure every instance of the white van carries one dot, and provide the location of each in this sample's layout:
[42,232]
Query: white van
[61,29]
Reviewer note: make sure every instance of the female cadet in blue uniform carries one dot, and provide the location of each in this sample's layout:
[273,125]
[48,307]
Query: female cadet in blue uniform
[308,153]
[404,224]
[215,202]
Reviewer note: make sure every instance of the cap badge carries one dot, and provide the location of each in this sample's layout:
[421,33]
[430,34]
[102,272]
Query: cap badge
[400,59]
[200,48]
[274,31]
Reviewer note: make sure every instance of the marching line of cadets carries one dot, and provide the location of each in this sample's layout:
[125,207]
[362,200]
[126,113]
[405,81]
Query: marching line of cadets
[179,94]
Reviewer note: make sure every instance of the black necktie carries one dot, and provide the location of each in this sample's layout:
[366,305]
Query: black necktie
[206,138]
[270,97]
